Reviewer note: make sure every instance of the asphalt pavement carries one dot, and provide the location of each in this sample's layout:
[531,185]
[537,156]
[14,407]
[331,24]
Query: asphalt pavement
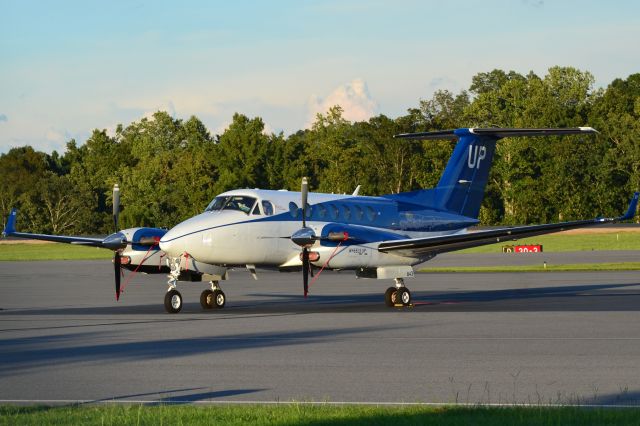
[470,338]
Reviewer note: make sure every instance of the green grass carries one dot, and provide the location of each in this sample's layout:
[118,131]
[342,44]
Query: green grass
[619,266]
[300,414]
[57,251]
[571,242]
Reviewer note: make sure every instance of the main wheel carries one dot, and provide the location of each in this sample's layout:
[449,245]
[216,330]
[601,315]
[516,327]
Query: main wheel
[173,301]
[390,296]
[206,299]
[219,299]
[403,296]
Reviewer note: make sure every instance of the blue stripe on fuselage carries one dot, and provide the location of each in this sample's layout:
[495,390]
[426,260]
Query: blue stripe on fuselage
[386,219]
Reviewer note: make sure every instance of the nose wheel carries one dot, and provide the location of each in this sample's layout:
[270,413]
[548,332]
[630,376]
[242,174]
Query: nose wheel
[173,301]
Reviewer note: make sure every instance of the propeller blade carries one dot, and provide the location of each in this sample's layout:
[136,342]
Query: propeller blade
[116,267]
[305,270]
[304,191]
[116,206]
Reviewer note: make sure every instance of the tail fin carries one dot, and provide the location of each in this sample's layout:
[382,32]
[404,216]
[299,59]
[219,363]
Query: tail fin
[462,185]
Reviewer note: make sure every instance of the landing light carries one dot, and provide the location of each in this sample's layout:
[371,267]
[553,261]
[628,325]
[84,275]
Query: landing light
[314,256]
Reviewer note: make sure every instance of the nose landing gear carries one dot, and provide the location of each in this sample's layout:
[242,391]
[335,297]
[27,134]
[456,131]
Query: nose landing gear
[173,301]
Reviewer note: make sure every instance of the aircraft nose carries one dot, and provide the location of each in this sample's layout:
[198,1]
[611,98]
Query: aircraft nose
[167,242]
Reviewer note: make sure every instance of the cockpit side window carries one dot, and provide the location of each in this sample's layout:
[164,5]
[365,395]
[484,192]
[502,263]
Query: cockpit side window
[267,207]
[256,210]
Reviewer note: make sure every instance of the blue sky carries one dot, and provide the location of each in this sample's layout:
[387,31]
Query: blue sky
[68,67]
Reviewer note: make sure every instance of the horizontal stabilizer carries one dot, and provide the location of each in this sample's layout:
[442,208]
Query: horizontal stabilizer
[497,132]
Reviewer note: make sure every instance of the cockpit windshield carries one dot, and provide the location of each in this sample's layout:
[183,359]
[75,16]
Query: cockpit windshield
[231,202]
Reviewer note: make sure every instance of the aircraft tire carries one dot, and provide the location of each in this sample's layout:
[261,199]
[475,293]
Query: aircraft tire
[389,296]
[219,299]
[173,301]
[206,299]
[404,296]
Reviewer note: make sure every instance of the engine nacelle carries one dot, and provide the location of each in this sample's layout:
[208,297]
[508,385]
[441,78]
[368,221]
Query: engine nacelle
[143,253]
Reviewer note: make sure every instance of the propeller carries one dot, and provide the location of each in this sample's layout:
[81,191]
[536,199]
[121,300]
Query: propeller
[122,240]
[305,237]
[116,206]
[116,267]
[304,192]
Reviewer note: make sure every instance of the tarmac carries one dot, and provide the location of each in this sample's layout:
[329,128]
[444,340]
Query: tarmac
[471,338]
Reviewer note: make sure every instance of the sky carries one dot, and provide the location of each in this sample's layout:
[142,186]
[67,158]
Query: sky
[68,67]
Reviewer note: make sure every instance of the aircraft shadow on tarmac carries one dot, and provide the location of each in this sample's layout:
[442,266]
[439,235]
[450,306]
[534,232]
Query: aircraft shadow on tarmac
[592,297]
[178,396]
[28,353]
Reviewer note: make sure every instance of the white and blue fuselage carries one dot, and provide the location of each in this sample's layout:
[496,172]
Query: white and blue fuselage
[253,227]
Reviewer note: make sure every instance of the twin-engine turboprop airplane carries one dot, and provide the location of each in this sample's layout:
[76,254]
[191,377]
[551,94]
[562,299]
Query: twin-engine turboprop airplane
[377,237]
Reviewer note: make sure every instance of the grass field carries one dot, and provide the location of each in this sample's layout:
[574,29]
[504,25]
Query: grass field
[572,242]
[301,414]
[55,251]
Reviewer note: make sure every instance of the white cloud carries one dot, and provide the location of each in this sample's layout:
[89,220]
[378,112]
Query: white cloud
[57,136]
[168,107]
[353,97]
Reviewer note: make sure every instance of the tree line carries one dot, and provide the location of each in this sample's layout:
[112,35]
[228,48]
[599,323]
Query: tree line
[169,169]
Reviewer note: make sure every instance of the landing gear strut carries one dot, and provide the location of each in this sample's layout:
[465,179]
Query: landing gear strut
[213,298]
[398,295]
[173,298]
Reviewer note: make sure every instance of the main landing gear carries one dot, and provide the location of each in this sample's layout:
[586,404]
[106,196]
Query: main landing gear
[398,295]
[213,298]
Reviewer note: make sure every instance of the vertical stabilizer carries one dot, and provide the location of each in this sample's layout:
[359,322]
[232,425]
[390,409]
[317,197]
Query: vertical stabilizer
[462,185]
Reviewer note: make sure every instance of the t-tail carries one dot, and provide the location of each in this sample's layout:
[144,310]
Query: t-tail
[462,185]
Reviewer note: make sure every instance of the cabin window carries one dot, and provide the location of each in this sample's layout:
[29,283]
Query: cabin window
[267,207]
[293,209]
[371,213]
[346,213]
[322,211]
[359,212]
[334,211]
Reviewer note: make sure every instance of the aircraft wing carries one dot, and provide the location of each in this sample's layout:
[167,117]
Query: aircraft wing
[10,231]
[424,247]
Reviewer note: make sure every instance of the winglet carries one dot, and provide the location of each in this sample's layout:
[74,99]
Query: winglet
[631,211]
[10,227]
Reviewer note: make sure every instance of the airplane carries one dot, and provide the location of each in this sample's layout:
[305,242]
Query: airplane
[379,237]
